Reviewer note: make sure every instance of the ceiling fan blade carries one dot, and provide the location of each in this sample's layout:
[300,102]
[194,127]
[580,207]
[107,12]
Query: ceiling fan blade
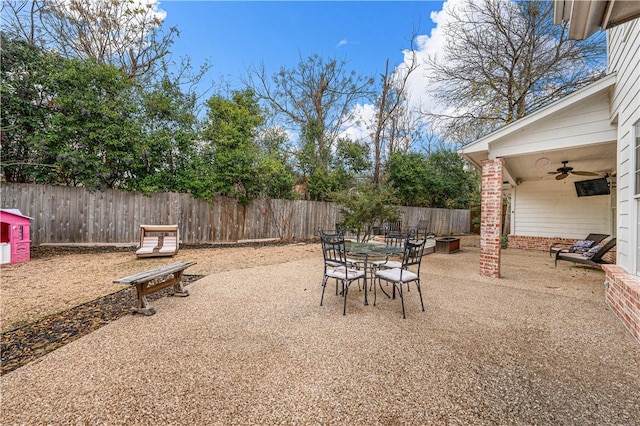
[580,173]
[552,173]
[561,176]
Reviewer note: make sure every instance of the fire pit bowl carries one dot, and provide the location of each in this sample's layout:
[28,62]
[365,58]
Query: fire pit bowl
[447,245]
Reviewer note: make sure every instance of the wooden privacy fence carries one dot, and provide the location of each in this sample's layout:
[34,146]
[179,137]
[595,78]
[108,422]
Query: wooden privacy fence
[72,215]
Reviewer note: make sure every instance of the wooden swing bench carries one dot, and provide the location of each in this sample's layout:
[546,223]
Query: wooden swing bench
[154,280]
[163,240]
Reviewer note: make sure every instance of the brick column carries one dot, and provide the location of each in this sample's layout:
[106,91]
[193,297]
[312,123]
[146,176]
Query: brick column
[491,218]
[622,294]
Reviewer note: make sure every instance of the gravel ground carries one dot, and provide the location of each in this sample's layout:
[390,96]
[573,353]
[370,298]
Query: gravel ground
[253,346]
[29,342]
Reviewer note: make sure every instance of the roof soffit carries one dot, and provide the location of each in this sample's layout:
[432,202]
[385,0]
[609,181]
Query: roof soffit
[618,12]
[587,17]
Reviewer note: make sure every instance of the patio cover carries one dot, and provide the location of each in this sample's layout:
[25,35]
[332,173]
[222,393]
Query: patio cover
[577,128]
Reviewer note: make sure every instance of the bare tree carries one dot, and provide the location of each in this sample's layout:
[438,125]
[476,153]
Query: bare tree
[21,20]
[392,112]
[316,98]
[503,60]
[123,33]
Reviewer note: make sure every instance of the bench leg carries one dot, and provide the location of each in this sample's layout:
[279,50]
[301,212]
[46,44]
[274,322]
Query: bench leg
[178,288]
[143,289]
[142,304]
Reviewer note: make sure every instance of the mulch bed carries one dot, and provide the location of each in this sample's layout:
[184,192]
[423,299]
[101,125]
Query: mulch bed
[28,343]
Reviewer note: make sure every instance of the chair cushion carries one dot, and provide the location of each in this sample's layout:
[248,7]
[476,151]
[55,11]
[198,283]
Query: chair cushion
[169,245]
[575,257]
[582,245]
[351,274]
[593,250]
[395,275]
[148,245]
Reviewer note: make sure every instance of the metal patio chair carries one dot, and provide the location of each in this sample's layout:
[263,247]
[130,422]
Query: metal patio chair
[395,241]
[337,266]
[408,272]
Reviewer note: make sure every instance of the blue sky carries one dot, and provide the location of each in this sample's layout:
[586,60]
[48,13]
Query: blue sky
[234,35]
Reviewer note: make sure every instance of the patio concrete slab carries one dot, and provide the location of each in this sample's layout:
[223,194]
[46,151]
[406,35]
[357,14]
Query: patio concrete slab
[253,346]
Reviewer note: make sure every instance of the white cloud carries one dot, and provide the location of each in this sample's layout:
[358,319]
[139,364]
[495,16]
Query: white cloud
[426,45]
[342,42]
[360,126]
[430,45]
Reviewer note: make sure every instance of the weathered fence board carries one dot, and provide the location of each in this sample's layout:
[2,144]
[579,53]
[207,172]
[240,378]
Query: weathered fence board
[64,214]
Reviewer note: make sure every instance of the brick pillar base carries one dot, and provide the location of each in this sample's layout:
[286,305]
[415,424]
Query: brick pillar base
[491,218]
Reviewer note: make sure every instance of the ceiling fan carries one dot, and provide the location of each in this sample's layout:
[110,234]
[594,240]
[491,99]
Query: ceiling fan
[565,170]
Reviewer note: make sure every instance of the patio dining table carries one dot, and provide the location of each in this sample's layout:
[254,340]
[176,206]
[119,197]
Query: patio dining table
[367,250]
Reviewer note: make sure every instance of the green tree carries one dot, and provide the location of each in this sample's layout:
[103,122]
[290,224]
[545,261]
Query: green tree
[276,167]
[438,180]
[26,110]
[169,147]
[315,98]
[449,184]
[407,174]
[350,162]
[364,207]
[230,149]
[93,131]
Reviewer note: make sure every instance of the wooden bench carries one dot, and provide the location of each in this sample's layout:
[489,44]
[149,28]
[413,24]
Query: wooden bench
[154,280]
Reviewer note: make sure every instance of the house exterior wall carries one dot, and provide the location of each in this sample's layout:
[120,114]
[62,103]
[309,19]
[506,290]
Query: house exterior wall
[550,208]
[624,60]
[623,280]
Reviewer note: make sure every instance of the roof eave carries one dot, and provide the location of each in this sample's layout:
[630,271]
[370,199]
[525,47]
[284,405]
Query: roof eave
[587,17]
[482,144]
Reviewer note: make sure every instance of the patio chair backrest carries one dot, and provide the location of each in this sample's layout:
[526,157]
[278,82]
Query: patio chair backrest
[329,232]
[603,250]
[422,229]
[413,252]
[392,228]
[395,240]
[596,238]
[333,250]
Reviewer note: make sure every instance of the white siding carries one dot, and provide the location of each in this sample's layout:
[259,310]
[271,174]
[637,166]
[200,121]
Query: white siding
[624,59]
[550,208]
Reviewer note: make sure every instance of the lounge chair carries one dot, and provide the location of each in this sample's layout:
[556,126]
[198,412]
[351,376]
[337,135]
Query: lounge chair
[556,247]
[590,259]
[163,242]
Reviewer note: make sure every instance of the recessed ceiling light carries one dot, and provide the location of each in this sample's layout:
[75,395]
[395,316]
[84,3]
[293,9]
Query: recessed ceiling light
[542,163]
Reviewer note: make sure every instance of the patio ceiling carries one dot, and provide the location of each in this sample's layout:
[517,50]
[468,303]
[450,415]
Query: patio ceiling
[600,158]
